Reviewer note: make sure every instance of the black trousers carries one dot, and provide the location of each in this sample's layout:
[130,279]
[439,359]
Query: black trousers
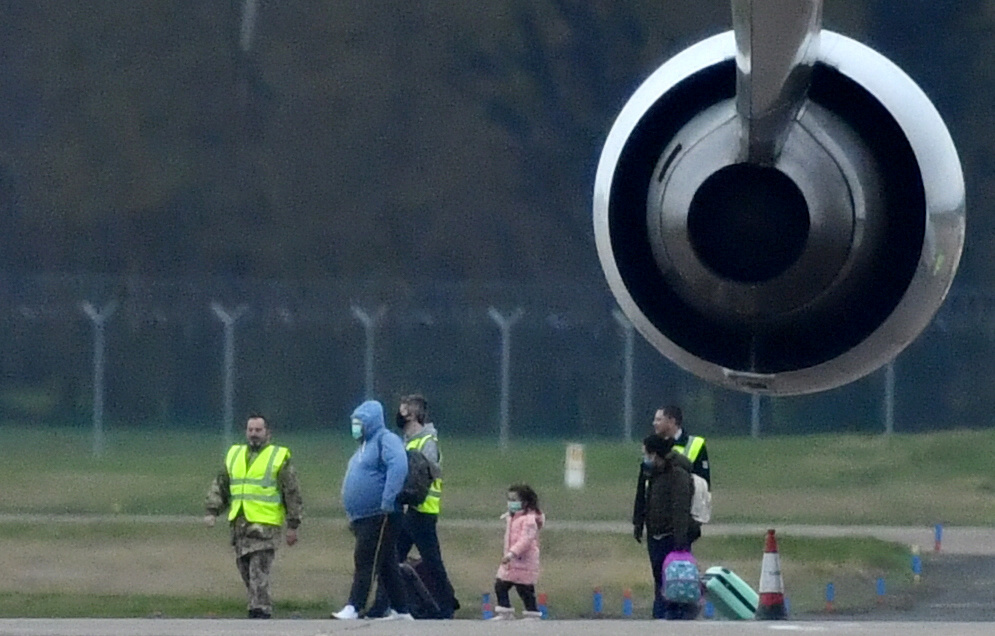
[376,554]
[662,608]
[526,592]
[658,550]
[419,529]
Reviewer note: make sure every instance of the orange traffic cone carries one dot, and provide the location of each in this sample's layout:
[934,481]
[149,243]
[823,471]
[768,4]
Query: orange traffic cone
[771,606]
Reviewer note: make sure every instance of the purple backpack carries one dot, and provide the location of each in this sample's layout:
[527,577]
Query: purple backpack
[681,581]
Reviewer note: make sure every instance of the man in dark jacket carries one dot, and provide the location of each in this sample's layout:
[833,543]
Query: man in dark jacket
[668,424]
[664,509]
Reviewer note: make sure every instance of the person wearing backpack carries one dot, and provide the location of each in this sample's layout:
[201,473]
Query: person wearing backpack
[668,424]
[665,512]
[420,519]
[373,480]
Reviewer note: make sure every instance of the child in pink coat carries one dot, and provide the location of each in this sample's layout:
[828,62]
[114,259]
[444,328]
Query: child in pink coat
[520,563]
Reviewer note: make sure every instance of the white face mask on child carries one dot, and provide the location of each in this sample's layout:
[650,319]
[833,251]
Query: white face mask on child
[514,506]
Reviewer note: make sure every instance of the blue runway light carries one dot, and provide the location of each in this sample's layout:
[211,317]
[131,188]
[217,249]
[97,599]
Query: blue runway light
[487,609]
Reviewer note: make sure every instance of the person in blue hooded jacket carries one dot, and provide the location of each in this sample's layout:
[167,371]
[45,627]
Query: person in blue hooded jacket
[373,479]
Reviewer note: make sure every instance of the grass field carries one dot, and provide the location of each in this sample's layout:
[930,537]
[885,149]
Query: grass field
[179,568]
[914,480]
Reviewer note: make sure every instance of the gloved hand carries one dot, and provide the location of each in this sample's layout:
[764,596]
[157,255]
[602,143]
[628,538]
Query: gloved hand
[637,533]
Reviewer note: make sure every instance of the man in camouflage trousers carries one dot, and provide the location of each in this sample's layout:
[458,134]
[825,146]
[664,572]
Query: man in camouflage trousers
[259,487]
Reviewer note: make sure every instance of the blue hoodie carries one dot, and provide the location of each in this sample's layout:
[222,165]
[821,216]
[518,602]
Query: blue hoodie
[376,471]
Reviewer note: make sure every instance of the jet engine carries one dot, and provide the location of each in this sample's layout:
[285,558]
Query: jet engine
[779,209]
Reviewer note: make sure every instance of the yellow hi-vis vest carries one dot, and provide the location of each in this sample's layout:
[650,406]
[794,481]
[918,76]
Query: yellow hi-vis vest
[253,489]
[433,501]
[694,445]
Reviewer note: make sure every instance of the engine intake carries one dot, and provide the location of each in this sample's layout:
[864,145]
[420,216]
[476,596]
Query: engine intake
[798,271]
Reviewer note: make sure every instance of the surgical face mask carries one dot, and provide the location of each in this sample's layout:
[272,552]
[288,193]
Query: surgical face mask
[357,429]
[514,506]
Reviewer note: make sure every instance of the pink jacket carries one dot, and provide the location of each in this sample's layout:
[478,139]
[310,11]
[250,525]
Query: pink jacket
[521,538]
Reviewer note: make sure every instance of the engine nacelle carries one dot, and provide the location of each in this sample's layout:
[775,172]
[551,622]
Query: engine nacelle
[792,274]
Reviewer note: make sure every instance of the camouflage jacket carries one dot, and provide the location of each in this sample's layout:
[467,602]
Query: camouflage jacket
[251,537]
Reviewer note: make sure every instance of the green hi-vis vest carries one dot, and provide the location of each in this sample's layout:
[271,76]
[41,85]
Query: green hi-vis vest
[253,489]
[433,501]
[693,447]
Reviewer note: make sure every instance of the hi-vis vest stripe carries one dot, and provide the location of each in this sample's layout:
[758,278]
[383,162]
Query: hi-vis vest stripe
[693,447]
[433,501]
[253,489]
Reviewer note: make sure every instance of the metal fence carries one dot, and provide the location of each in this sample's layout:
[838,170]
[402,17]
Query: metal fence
[502,360]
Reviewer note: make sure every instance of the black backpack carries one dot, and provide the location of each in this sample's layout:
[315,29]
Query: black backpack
[418,481]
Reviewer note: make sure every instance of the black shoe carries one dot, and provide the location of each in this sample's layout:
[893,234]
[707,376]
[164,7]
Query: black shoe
[258,613]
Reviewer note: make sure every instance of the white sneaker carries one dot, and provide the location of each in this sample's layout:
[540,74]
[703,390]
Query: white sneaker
[347,613]
[503,614]
[394,615]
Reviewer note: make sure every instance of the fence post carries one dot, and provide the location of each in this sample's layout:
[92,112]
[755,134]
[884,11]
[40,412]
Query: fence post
[505,324]
[98,318]
[250,9]
[369,322]
[628,331]
[755,416]
[228,319]
[889,398]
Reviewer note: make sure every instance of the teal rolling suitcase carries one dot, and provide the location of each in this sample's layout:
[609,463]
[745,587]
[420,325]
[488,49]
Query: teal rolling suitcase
[732,597]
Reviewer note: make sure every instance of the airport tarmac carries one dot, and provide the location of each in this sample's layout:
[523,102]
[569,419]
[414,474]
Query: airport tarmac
[957,599]
[222,627]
